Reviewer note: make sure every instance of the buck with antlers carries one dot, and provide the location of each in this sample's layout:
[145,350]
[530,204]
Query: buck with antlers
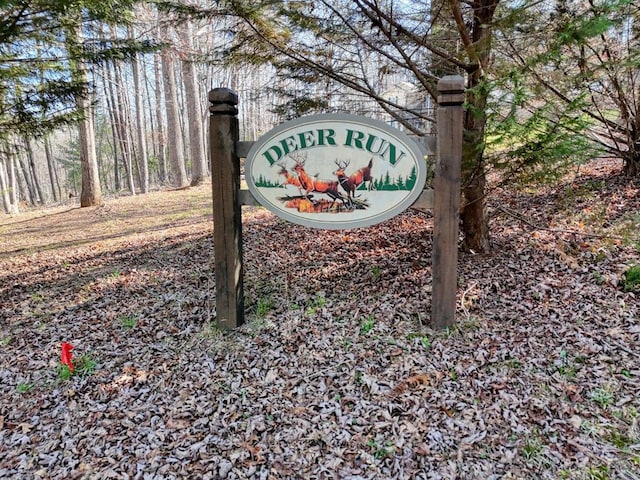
[312,184]
[289,178]
[351,183]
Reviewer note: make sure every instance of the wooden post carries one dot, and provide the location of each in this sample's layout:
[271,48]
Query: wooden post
[227,215]
[446,202]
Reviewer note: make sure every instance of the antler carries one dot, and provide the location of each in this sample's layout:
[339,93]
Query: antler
[342,165]
[299,158]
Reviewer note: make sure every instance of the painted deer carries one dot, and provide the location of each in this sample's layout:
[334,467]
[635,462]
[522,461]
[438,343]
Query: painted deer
[289,178]
[313,184]
[351,183]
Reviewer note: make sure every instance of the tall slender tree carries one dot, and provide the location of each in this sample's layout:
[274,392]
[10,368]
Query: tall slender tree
[193,101]
[53,171]
[33,171]
[123,125]
[143,159]
[161,136]
[91,193]
[175,144]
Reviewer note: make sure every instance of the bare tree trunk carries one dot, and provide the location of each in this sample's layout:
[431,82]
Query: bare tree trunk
[474,221]
[142,140]
[476,34]
[13,180]
[176,159]
[152,123]
[474,218]
[162,158]
[123,130]
[190,81]
[30,193]
[53,174]
[110,100]
[34,171]
[5,187]
[8,181]
[631,165]
[90,194]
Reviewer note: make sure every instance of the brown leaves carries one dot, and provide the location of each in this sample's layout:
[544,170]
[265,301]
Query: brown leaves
[415,381]
[539,376]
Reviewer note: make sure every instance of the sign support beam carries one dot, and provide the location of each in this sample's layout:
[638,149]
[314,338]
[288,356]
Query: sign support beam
[446,202]
[227,214]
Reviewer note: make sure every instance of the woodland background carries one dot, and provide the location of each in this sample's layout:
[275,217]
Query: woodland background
[111,96]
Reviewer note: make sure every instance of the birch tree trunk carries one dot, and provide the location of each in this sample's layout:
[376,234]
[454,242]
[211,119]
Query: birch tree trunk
[8,181]
[4,186]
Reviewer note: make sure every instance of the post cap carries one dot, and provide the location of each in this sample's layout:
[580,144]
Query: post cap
[223,95]
[223,101]
[451,90]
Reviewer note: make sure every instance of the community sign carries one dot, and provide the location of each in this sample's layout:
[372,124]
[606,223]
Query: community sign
[335,171]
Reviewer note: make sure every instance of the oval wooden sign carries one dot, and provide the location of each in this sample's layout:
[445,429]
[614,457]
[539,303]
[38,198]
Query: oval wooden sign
[335,171]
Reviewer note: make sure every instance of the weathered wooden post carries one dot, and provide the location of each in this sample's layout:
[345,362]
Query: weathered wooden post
[446,202]
[227,216]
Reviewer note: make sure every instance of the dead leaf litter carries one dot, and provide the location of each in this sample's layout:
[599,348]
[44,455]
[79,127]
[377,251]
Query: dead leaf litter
[336,374]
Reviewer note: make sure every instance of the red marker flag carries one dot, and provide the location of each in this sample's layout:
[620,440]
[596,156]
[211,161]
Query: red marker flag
[66,355]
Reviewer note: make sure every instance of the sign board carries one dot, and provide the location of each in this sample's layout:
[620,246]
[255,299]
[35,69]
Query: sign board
[335,171]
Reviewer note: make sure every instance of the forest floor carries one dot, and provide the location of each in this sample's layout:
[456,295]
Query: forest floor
[336,374]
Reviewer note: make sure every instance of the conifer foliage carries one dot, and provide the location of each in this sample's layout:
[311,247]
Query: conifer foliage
[47,50]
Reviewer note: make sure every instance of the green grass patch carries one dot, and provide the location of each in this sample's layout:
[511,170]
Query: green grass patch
[533,452]
[632,279]
[367,324]
[376,272]
[128,322]
[424,340]
[604,397]
[24,387]
[381,450]
[83,366]
[318,303]
[264,306]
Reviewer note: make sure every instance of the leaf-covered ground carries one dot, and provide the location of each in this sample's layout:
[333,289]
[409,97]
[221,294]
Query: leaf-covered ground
[337,374]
